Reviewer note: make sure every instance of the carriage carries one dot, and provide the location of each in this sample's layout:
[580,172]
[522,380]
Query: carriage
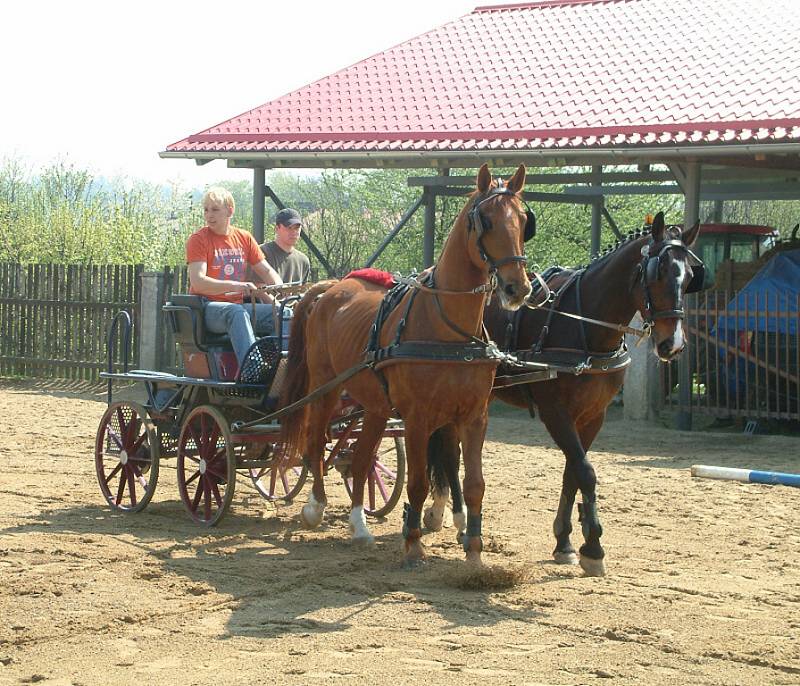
[210,421]
[215,423]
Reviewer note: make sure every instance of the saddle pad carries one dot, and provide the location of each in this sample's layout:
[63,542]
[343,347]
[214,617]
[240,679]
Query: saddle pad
[375,276]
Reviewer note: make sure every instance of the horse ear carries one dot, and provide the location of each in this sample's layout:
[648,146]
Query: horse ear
[517,182]
[484,178]
[658,228]
[689,236]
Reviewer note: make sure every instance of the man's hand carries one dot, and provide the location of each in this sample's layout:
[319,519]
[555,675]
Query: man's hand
[265,297]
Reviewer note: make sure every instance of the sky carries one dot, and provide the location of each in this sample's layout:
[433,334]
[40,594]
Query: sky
[106,86]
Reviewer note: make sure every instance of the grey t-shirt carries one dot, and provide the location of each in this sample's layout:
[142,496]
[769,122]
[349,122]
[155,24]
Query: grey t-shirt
[291,266]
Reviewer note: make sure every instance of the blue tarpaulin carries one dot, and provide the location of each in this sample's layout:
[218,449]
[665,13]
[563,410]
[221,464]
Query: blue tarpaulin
[772,291]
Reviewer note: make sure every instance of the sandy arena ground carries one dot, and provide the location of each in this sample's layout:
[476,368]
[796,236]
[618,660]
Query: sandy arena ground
[703,584]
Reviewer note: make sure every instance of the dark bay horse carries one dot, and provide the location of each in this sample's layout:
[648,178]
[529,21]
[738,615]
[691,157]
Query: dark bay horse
[331,331]
[647,273]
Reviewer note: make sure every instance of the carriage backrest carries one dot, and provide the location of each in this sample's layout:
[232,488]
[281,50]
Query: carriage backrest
[206,355]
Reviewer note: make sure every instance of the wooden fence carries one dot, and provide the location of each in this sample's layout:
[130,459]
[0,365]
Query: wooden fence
[54,318]
[744,359]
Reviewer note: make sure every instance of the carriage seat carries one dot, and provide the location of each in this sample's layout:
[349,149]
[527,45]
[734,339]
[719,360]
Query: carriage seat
[206,355]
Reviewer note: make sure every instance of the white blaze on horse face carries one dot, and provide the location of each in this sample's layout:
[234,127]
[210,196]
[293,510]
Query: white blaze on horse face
[678,341]
[677,338]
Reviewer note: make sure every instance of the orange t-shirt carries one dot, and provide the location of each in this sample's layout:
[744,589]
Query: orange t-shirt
[226,257]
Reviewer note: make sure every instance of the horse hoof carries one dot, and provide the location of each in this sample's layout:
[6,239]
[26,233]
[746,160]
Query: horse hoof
[593,567]
[569,558]
[431,521]
[363,541]
[311,516]
[410,563]
[473,557]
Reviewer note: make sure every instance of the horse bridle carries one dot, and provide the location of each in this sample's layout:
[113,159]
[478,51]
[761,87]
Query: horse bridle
[648,273]
[481,226]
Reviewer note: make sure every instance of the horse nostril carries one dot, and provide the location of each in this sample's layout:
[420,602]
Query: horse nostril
[511,290]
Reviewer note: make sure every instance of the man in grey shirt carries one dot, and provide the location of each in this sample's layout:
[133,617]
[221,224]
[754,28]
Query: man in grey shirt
[291,264]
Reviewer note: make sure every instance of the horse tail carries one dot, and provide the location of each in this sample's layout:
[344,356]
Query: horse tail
[295,384]
[443,458]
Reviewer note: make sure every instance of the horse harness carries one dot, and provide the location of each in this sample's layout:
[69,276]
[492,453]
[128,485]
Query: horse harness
[580,361]
[572,360]
[472,349]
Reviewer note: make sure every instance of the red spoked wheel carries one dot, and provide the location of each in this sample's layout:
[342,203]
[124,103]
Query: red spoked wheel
[126,457]
[385,480]
[279,478]
[206,465]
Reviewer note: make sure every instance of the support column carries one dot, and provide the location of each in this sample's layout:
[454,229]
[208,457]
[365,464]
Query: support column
[430,226]
[259,196]
[597,210]
[642,389]
[691,214]
[718,211]
[150,320]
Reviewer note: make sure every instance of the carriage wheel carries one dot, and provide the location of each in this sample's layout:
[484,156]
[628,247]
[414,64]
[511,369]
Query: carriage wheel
[126,457]
[278,479]
[206,465]
[385,480]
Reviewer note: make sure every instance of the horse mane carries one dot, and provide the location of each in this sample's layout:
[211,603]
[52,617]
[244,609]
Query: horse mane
[613,248]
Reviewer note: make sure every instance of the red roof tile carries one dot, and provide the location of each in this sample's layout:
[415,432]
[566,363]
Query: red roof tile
[574,74]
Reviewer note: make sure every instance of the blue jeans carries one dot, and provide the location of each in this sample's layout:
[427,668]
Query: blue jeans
[234,319]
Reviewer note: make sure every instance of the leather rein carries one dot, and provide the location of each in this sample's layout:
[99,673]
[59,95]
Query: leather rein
[648,315]
[580,361]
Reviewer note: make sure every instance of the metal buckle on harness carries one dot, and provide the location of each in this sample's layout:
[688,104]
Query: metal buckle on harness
[647,331]
[492,351]
[581,367]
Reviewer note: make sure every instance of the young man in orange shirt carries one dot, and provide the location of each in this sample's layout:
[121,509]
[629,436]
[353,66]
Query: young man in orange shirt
[218,257]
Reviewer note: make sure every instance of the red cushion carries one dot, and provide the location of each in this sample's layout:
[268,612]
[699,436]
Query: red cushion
[375,276]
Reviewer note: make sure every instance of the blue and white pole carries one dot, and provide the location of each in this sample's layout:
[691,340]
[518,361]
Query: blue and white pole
[752,476]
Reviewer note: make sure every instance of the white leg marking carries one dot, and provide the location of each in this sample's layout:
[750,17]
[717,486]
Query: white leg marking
[436,516]
[358,526]
[460,522]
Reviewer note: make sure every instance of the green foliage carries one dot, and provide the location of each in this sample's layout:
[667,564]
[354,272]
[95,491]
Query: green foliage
[65,215]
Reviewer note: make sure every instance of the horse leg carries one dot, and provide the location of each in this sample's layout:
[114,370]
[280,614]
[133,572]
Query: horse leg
[444,454]
[472,437]
[564,552]
[314,510]
[578,474]
[416,438]
[363,458]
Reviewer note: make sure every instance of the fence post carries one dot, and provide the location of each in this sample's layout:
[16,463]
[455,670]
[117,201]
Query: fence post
[642,390]
[152,297]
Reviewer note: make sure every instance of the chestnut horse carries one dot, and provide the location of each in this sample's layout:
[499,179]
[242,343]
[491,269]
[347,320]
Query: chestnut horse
[330,332]
[646,273]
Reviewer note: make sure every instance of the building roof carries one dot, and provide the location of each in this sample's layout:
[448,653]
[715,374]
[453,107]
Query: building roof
[557,78]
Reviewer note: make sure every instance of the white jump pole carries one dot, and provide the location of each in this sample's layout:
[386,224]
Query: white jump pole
[752,476]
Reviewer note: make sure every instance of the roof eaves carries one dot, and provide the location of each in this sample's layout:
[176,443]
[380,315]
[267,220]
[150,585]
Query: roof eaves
[473,155]
[542,4]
